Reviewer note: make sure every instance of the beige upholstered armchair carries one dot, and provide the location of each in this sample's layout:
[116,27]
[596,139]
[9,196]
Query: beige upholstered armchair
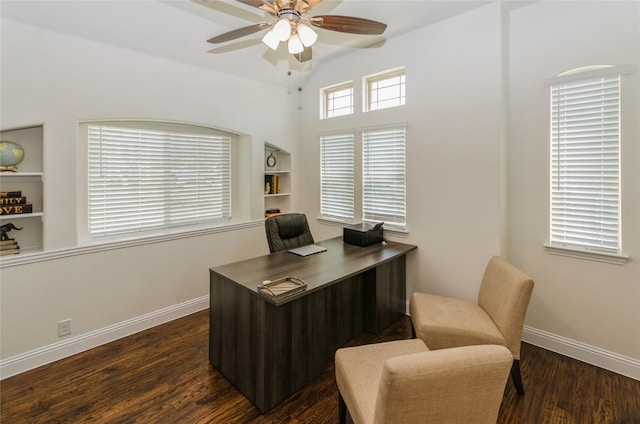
[402,382]
[497,317]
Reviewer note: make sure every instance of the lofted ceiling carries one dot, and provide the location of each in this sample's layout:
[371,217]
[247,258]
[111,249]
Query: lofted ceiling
[178,29]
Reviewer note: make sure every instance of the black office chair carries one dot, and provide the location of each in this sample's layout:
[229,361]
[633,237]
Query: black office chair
[287,231]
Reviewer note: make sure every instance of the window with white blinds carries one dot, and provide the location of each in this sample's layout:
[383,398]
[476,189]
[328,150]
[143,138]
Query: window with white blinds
[384,176]
[337,176]
[141,179]
[585,163]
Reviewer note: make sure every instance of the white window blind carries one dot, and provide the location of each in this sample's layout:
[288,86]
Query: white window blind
[338,100]
[585,163]
[142,179]
[337,176]
[384,176]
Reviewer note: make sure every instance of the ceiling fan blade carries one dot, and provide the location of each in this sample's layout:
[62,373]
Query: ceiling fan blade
[260,5]
[305,56]
[305,5]
[348,24]
[240,32]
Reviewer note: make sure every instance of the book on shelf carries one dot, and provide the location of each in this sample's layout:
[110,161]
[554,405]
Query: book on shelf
[4,252]
[16,209]
[13,200]
[270,184]
[271,212]
[9,247]
[4,194]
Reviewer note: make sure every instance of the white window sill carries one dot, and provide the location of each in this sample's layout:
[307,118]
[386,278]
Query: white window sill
[591,255]
[334,221]
[22,259]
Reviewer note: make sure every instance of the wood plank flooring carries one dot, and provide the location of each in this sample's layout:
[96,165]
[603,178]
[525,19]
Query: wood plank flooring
[163,375]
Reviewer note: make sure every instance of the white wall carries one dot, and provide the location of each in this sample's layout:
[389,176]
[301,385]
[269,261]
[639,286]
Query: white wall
[57,80]
[454,136]
[592,302]
[456,112]
[477,114]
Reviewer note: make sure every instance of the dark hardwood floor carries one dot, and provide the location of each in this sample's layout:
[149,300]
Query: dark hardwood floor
[163,375]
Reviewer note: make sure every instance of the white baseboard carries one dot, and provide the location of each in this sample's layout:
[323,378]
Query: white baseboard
[602,358]
[611,361]
[65,348]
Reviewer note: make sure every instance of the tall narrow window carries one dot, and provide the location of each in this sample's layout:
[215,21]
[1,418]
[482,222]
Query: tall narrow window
[384,176]
[337,176]
[144,179]
[337,100]
[585,162]
[385,90]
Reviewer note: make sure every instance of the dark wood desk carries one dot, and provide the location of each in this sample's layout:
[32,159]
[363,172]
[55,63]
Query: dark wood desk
[269,349]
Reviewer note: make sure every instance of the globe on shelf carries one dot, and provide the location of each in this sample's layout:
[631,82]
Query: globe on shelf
[11,154]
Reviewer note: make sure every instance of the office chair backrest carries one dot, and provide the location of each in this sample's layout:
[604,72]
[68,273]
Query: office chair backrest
[287,231]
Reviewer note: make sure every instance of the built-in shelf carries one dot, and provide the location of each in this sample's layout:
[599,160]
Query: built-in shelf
[10,175]
[277,179]
[29,180]
[21,216]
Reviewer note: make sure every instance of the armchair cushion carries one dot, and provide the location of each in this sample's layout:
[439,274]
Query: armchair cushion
[450,322]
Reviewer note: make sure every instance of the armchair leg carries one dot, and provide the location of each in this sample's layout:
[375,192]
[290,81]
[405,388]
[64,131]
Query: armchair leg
[342,410]
[517,377]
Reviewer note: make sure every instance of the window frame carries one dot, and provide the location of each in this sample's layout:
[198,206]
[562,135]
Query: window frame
[370,80]
[593,248]
[359,173]
[338,178]
[153,125]
[384,169]
[326,93]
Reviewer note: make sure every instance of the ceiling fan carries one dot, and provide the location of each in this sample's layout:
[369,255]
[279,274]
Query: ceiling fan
[291,23]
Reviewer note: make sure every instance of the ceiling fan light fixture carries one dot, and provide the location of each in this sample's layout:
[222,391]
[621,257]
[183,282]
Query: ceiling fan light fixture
[282,29]
[271,40]
[295,44]
[307,35]
[291,23]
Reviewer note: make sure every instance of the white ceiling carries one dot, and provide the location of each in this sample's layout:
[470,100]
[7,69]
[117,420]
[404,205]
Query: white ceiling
[178,29]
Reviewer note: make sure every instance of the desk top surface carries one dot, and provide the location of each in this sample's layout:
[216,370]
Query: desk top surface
[338,262]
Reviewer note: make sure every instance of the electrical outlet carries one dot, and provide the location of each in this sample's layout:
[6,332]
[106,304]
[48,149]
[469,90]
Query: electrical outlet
[64,327]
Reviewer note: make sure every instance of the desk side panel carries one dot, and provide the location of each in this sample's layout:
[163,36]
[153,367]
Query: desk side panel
[234,336]
[385,294]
